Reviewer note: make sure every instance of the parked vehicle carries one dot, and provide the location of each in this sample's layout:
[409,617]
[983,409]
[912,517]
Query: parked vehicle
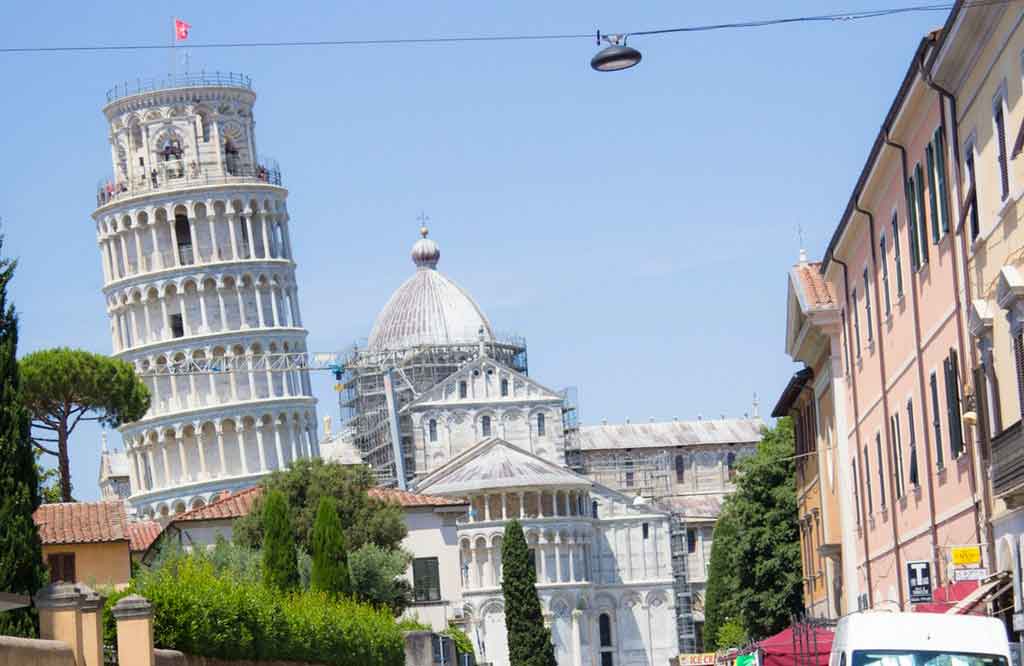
[875,638]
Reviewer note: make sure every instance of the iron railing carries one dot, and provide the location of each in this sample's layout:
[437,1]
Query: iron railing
[1008,461]
[187,80]
[176,173]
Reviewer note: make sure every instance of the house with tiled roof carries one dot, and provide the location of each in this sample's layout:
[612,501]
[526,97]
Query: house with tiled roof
[86,542]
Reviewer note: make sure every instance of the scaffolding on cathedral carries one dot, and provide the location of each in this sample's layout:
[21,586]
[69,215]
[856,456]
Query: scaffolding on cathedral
[648,474]
[373,413]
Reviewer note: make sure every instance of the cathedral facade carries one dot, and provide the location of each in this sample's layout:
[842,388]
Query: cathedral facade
[475,425]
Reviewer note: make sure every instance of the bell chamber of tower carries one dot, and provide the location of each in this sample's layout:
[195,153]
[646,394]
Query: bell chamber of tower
[200,289]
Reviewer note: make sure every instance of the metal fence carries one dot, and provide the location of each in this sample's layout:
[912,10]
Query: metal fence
[187,80]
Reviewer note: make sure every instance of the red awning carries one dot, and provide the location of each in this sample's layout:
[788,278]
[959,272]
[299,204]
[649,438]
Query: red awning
[946,597]
[780,650]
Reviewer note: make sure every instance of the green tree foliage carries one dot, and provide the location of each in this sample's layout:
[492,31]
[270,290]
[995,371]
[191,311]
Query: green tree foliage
[375,575]
[21,552]
[330,561]
[755,558]
[731,635]
[203,613]
[365,519]
[529,641]
[462,642]
[62,387]
[49,481]
[280,558]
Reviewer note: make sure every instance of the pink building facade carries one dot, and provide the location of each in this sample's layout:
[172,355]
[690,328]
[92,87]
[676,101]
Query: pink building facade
[895,266]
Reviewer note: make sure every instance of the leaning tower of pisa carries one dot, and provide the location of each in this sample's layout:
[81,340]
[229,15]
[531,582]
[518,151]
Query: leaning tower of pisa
[199,284]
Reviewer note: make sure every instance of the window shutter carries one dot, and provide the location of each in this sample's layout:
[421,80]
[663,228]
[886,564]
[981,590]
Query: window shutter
[956,431]
[915,254]
[940,159]
[922,225]
[932,194]
[1018,353]
[981,405]
[1004,174]
[936,421]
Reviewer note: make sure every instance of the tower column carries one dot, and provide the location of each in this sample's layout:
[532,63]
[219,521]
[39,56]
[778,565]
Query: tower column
[277,442]
[259,444]
[201,445]
[223,313]
[179,438]
[219,428]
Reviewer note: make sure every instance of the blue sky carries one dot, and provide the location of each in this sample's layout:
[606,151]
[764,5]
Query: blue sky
[636,227]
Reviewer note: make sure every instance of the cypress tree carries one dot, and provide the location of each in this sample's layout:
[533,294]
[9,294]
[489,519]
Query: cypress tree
[21,552]
[330,561]
[280,558]
[529,641]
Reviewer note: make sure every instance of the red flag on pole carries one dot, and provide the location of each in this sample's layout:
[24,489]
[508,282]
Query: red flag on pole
[181,30]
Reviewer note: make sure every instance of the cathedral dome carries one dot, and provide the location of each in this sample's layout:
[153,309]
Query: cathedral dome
[428,309]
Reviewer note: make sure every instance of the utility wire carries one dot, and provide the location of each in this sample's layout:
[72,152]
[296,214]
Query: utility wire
[838,17]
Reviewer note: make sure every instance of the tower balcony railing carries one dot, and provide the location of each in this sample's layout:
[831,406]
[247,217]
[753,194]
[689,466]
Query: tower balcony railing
[187,80]
[173,174]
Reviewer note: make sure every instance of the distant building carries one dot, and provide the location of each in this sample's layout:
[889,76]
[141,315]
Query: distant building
[114,477]
[686,467]
[86,542]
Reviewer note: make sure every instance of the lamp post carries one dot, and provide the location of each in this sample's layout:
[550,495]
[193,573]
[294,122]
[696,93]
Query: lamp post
[616,56]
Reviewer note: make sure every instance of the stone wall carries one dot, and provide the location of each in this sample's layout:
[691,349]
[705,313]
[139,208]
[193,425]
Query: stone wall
[31,652]
[175,658]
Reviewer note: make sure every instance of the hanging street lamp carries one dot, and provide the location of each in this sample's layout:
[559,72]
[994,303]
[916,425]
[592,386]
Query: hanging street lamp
[616,56]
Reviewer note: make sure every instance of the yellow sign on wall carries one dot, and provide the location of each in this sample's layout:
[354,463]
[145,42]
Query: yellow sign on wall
[966,556]
[698,659]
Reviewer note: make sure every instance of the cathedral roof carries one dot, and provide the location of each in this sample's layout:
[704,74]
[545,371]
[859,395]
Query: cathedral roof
[494,464]
[667,434]
[428,309]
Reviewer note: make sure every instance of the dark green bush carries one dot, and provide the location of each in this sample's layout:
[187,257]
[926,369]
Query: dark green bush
[200,613]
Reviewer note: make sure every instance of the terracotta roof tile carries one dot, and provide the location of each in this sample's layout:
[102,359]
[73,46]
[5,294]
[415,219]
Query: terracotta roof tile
[227,505]
[814,286]
[230,506]
[82,522]
[142,534]
[406,498]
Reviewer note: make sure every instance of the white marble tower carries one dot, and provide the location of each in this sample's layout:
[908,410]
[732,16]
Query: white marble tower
[193,232]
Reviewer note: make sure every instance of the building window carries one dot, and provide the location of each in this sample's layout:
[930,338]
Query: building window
[485,426]
[177,326]
[940,177]
[846,341]
[897,456]
[629,473]
[730,465]
[463,390]
[856,492]
[972,191]
[881,471]
[936,422]
[504,388]
[426,580]
[433,430]
[915,480]
[1000,126]
[867,304]
[604,626]
[952,369]
[867,482]
[691,541]
[922,222]
[593,509]
[541,426]
[885,275]
[647,530]
[680,469]
[896,261]
[933,198]
[856,321]
[62,567]
[916,220]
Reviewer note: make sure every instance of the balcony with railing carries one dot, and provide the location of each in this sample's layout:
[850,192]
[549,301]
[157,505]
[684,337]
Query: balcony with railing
[1008,465]
[187,80]
[174,173]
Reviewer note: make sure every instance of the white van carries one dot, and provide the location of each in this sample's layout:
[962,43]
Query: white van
[878,638]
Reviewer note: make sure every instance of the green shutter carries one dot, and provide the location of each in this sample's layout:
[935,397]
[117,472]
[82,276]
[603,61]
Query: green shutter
[930,158]
[915,256]
[922,223]
[940,156]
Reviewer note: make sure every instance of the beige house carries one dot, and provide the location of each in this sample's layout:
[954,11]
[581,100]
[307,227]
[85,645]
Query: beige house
[980,67]
[86,542]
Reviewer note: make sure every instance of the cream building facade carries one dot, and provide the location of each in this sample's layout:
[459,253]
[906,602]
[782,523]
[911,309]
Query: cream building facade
[199,274]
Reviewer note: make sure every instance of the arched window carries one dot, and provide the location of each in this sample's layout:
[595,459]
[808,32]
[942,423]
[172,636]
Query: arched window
[485,426]
[593,509]
[604,624]
[136,131]
[504,388]
[540,425]
[680,469]
[433,430]
[463,390]
[230,157]
[730,464]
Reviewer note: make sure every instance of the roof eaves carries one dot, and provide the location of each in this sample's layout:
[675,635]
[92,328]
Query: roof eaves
[791,392]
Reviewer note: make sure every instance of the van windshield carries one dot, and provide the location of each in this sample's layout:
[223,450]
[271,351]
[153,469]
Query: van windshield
[924,658]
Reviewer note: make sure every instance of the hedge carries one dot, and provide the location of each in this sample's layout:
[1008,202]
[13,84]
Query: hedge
[203,614]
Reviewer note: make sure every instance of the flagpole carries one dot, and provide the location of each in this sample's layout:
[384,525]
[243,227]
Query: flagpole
[174,54]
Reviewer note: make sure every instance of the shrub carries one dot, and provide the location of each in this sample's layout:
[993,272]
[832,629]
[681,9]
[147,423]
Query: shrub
[330,561]
[375,577]
[459,637]
[203,614]
[280,559]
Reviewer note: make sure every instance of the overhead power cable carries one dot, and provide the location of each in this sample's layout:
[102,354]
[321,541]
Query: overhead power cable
[837,17]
